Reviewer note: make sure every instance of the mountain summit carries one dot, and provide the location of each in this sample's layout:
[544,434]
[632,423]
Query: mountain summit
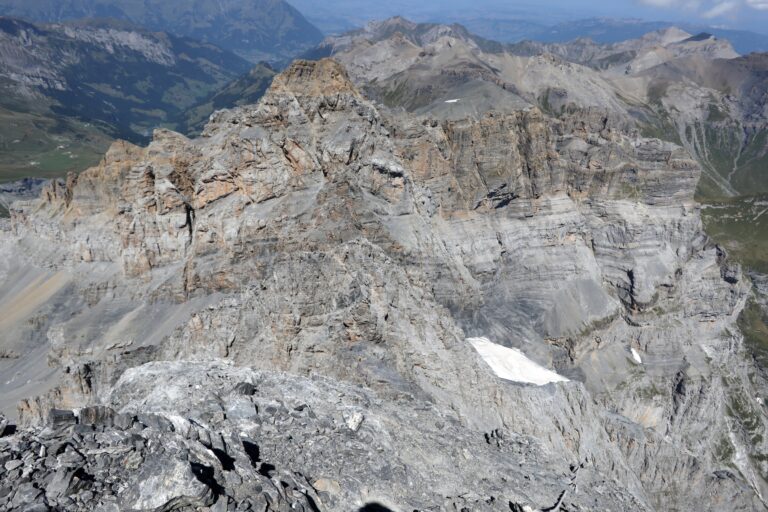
[322,304]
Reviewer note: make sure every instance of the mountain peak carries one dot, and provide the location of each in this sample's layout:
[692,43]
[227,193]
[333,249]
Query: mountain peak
[394,22]
[666,36]
[314,78]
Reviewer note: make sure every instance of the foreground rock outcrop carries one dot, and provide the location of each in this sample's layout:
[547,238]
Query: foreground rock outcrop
[249,440]
[355,250]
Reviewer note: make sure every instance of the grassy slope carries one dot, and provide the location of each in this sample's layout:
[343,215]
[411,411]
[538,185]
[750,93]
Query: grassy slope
[753,323]
[726,147]
[741,226]
[112,93]
[753,164]
[32,144]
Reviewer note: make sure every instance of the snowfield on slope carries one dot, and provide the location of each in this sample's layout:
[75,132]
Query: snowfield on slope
[511,364]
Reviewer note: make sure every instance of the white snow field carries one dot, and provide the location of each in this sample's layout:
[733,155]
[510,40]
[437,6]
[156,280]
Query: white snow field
[511,364]
[636,356]
[452,101]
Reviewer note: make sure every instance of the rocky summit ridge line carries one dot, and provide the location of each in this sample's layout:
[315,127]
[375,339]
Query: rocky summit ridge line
[691,89]
[274,316]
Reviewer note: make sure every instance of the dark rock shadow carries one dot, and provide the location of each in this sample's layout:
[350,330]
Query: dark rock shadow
[252,450]
[207,476]
[375,507]
[227,461]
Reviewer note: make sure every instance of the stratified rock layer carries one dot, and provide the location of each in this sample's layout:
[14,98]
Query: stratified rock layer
[316,235]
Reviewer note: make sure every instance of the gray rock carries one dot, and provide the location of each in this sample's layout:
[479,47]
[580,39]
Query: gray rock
[124,421]
[156,421]
[36,507]
[26,494]
[354,421]
[13,464]
[245,388]
[71,457]
[316,234]
[4,425]
[163,484]
[97,416]
[60,484]
[59,418]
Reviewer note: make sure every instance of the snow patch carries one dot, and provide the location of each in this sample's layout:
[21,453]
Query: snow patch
[453,101]
[636,357]
[511,364]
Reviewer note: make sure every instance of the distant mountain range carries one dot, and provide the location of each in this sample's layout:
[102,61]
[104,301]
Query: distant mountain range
[512,22]
[254,29]
[97,80]
[694,89]
[604,30]
[76,74]
[69,89]
[245,90]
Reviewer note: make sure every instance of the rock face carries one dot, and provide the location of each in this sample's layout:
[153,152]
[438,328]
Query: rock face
[694,89]
[356,250]
[718,108]
[27,188]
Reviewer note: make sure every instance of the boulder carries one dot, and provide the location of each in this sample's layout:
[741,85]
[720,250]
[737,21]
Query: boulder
[4,425]
[61,418]
[166,484]
[99,416]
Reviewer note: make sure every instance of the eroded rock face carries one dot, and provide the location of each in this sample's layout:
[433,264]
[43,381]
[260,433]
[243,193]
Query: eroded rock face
[317,235]
[286,443]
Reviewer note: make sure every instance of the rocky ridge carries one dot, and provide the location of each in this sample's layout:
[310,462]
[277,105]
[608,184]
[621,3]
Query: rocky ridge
[436,64]
[636,55]
[692,89]
[321,235]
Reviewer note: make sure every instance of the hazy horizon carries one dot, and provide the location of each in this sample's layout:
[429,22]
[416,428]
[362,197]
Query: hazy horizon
[749,15]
